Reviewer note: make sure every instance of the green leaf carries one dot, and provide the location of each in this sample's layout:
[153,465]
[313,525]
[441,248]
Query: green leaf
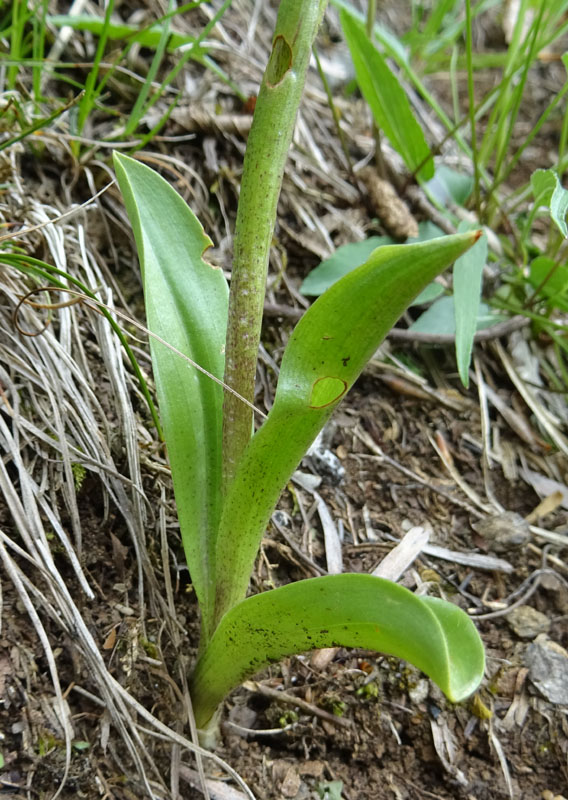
[387,99]
[448,185]
[468,276]
[325,354]
[147,37]
[339,611]
[559,207]
[330,790]
[548,191]
[79,744]
[440,318]
[186,306]
[430,293]
[345,258]
[543,183]
[551,279]
[352,255]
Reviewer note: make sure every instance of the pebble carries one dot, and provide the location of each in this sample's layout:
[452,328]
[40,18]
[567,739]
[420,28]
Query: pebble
[419,692]
[290,786]
[527,622]
[326,463]
[548,669]
[504,532]
[282,518]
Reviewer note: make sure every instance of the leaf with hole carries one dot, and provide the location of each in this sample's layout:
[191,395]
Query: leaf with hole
[328,349]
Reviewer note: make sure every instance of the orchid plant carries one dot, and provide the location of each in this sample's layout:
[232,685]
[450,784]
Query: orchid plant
[227,479]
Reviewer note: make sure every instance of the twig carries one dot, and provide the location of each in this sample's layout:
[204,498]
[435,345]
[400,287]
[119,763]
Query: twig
[536,576]
[378,454]
[316,569]
[290,699]
[416,337]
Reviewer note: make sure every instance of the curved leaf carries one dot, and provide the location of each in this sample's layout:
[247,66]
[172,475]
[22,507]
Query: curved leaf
[186,305]
[325,354]
[339,611]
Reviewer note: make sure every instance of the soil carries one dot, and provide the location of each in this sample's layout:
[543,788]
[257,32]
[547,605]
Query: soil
[406,451]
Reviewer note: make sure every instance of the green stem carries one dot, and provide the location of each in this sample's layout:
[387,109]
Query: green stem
[267,148]
[471,97]
[371,16]
[334,111]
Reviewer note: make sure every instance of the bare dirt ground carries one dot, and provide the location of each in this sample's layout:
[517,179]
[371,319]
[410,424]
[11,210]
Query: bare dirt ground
[98,623]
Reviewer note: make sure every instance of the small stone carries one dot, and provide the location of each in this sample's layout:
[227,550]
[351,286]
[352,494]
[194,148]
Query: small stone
[527,622]
[419,692]
[504,532]
[327,464]
[290,786]
[282,518]
[553,584]
[548,669]
[312,768]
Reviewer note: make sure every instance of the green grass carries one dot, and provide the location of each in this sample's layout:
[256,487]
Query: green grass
[487,130]
[439,38]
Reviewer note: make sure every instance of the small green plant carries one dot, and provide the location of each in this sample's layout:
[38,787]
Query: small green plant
[227,480]
[441,38]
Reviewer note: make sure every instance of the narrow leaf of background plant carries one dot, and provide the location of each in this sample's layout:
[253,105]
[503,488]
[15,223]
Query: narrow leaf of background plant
[468,278]
[387,99]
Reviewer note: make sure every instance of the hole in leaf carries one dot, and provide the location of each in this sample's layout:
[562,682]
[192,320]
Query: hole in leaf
[326,391]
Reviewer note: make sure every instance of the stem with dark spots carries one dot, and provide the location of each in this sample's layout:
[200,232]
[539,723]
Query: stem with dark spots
[267,148]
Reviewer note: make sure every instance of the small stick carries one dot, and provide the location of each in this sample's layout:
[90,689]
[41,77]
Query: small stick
[290,699]
[416,337]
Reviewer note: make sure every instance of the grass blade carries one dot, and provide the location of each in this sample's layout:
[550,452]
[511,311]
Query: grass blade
[387,99]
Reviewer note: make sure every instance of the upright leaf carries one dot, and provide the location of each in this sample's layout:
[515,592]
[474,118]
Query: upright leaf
[387,99]
[468,275]
[548,190]
[325,354]
[186,306]
[339,611]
